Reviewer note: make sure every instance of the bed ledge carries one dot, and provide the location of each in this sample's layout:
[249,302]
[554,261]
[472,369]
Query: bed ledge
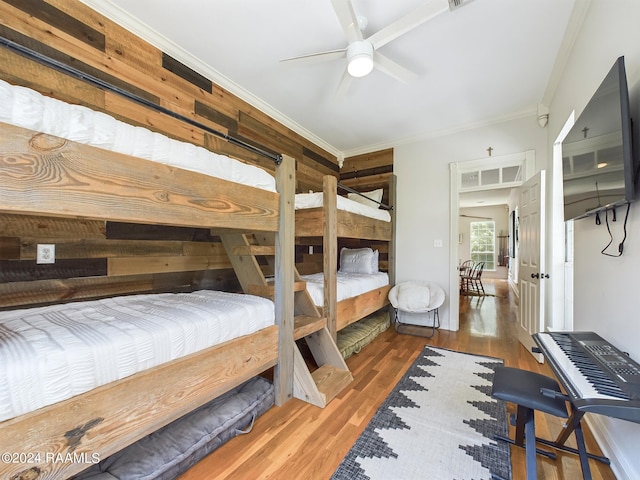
[45,175]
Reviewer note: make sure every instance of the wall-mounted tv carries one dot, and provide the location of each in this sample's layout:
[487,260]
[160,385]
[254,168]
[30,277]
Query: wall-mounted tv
[597,154]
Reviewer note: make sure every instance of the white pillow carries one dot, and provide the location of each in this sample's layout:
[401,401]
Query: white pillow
[373,195]
[413,297]
[356,260]
[374,261]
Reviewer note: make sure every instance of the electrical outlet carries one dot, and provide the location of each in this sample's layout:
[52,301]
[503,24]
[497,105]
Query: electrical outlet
[45,253]
[437,243]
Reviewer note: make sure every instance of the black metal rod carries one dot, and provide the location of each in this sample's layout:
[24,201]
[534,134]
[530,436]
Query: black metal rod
[351,190]
[74,72]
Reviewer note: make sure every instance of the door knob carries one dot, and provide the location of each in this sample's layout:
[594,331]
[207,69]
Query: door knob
[535,275]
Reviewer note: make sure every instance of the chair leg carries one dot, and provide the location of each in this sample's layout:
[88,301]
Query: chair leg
[397,324]
[436,318]
[480,286]
[521,419]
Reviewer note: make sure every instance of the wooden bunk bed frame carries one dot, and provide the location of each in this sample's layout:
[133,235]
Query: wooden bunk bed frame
[49,176]
[330,223]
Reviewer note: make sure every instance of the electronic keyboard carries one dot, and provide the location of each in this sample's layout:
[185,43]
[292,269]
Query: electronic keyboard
[597,376]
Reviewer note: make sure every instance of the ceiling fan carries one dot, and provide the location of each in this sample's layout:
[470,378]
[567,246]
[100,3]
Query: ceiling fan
[362,53]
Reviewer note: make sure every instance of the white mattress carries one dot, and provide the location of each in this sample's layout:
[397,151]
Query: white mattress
[49,354]
[27,108]
[348,284]
[314,200]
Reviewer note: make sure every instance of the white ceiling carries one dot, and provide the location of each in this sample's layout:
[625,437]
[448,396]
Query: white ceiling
[484,198]
[487,61]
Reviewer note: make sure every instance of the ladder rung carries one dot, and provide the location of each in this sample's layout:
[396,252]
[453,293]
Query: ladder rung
[268,250]
[269,289]
[304,325]
[331,380]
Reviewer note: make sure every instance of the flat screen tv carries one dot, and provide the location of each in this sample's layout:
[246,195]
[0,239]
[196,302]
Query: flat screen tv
[597,154]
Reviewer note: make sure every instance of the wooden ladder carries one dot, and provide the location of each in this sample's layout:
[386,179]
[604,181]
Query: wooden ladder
[332,375]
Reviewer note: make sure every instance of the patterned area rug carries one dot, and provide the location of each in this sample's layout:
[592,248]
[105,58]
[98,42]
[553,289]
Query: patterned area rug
[437,423]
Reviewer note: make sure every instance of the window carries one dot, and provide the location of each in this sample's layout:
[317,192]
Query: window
[483,243]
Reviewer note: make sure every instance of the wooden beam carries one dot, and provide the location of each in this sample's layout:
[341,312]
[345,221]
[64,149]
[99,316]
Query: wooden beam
[52,176]
[353,309]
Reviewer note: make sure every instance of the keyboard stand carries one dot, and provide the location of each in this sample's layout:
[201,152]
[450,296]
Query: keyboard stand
[573,425]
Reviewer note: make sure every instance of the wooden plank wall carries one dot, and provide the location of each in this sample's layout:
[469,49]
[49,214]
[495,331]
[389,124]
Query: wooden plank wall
[368,171]
[96,258]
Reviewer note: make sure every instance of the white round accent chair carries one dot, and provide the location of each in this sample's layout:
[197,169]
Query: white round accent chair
[413,301]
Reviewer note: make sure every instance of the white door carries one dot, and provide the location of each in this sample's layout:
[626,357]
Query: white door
[531,274]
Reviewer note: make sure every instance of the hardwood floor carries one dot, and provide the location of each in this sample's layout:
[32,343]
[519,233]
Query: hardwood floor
[300,441]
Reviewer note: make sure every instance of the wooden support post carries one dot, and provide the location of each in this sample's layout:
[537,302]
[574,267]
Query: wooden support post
[330,249]
[284,272]
[391,254]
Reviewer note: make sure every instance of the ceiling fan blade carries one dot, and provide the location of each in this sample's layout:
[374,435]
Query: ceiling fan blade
[391,68]
[425,12]
[348,19]
[345,83]
[317,57]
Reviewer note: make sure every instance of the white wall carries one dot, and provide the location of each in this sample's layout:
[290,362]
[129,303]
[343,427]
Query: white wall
[606,289]
[423,212]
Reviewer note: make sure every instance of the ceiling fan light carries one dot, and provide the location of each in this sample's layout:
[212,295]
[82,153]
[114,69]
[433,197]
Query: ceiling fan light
[360,55]
[360,65]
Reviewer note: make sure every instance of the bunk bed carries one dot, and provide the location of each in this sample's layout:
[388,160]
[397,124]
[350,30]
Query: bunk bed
[43,173]
[331,217]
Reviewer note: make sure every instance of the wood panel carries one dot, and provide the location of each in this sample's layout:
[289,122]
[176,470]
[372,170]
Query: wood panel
[353,309]
[51,227]
[23,271]
[133,265]
[309,222]
[72,248]
[308,178]
[355,226]
[369,171]
[361,164]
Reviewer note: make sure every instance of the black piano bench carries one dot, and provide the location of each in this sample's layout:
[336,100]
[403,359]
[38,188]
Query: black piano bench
[532,391]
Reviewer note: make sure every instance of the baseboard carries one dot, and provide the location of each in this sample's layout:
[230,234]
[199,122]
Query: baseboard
[514,288]
[620,465]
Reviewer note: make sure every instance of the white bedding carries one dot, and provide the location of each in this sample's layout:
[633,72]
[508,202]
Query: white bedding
[48,354]
[314,200]
[27,108]
[348,284]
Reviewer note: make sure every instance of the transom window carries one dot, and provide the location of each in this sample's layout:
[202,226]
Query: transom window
[483,243]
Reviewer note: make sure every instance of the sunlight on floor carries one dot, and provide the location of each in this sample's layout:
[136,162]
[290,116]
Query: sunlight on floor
[482,311]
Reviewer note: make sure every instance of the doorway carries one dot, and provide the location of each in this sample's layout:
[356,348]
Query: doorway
[490,176]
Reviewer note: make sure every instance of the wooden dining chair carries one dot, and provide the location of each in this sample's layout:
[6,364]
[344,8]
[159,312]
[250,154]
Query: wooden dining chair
[473,280]
[464,269]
